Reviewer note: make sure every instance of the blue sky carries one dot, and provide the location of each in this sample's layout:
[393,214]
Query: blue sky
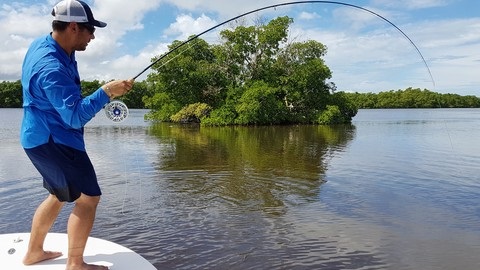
[365,53]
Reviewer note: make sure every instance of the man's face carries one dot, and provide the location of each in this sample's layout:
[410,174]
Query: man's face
[84,36]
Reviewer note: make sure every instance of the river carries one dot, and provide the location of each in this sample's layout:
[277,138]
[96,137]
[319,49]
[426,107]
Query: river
[397,189]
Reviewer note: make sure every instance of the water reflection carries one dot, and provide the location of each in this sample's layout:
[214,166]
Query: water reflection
[248,198]
[256,166]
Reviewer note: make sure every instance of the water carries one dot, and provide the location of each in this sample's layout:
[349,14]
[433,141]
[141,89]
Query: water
[398,189]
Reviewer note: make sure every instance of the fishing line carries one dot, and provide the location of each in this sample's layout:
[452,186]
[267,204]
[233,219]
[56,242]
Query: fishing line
[125,188]
[120,108]
[117,110]
[174,57]
[134,188]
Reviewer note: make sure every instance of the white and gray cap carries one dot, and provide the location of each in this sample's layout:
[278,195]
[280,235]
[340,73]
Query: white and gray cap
[75,11]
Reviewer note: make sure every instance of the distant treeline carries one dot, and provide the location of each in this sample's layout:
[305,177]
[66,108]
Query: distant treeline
[11,93]
[11,97]
[412,98]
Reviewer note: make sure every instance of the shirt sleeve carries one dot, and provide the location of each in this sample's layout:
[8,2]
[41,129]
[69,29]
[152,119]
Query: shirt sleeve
[63,90]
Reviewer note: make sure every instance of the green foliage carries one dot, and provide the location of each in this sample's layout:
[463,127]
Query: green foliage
[346,106]
[134,98]
[89,87]
[306,91]
[259,105]
[331,115]
[162,107]
[11,94]
[190,76]
[412,98]
[192,113]
[222,116]
[249,52]
[253,78]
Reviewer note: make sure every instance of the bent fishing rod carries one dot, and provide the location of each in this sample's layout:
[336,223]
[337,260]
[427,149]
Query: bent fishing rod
[289,4]
[117,111]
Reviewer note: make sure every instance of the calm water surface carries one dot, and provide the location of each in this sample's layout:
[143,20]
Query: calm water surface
[397,189]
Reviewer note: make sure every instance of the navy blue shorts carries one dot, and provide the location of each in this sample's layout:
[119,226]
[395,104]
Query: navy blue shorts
[67,172]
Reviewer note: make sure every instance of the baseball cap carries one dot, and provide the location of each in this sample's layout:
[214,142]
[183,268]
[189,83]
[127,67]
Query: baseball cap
[75,11]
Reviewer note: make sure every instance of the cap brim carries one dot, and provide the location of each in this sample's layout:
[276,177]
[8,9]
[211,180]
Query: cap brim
[98,24]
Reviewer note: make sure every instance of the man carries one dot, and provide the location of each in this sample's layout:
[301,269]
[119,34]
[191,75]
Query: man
[52,130]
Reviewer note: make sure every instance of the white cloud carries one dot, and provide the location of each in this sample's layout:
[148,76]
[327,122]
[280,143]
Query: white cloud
[451,47]
[308,15]
[186,25]
[19,25]
[382,59]
[364,52]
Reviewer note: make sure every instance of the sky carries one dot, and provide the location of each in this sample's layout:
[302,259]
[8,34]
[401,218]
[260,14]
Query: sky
[365,53]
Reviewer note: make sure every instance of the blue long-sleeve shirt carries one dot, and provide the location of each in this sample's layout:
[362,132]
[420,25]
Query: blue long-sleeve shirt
[52,101]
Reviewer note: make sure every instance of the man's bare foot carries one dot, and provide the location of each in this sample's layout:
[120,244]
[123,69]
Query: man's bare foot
[86,266]
[36,257]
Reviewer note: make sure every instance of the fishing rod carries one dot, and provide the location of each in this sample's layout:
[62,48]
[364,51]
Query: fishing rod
[288,4]
[117,110]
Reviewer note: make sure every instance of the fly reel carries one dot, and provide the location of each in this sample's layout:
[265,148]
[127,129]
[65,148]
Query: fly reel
[116,111]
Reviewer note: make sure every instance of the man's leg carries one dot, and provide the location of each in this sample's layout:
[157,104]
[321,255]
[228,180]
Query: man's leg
[80,225]
[43,220]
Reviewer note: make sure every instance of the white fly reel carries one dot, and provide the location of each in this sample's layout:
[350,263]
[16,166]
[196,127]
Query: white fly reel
[116,111]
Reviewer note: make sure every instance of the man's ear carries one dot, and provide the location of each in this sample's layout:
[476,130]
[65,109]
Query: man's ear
[74,27]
